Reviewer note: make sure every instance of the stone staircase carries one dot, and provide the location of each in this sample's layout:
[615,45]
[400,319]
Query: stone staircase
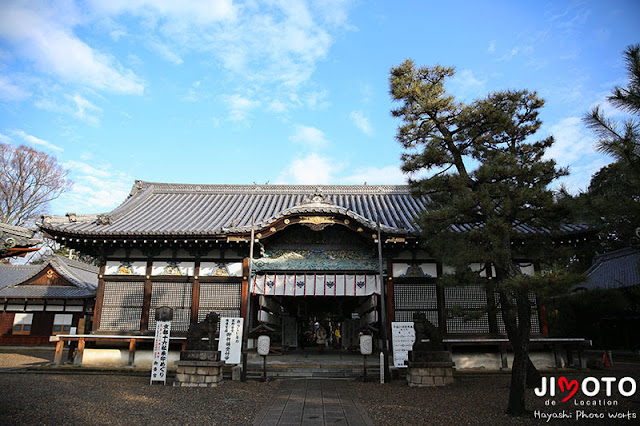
[314,367]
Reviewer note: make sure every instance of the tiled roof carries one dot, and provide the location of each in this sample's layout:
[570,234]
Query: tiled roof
[15,274]
[41,291]
[84,278]
[159,209]
[616,269]
[179,209]
[13,238]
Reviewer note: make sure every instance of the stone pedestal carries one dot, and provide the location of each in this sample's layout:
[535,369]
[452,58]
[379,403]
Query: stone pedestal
[199,368]
[198,373]
[433,368]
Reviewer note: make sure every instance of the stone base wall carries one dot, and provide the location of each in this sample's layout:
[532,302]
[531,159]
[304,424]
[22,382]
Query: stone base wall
[198,373]
[429,376]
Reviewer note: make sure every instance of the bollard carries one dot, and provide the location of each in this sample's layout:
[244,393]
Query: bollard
[382,367]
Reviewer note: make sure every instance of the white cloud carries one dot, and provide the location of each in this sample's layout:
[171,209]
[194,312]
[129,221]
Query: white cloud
[11,91]
[361,122]
[79,167]
[74,105]
[309,136]
[389,175]
[240,107]
[580,174]
[278,41]
[196,11]
[509,55]
[96,189]
[167,53]
[466,85]
[310,169]
[492,47]
[317,100]
[44,36]
[85,109]
[32,140]
[572,141]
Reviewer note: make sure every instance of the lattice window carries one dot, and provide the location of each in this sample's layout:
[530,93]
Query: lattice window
[535,319]
[176,296]
[222,298]
[122,306]
[466,308]
[410,298]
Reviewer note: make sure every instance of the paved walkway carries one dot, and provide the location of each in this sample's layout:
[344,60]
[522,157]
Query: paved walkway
[313,402]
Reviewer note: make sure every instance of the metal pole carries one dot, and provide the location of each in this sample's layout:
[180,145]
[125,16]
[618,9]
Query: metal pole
[245,340]
[383,308]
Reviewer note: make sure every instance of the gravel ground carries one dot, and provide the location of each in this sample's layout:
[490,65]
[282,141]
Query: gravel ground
[43,398]
[482,399]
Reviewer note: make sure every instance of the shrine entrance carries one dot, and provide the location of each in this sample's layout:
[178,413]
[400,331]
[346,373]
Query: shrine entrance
[297,319]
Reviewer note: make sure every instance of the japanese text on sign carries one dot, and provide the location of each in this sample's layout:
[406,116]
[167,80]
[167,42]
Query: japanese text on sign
[230,343]
[403,335]
[161,352]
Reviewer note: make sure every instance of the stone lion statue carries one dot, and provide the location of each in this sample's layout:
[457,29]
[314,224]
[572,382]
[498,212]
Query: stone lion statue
[207,328]
[425,330]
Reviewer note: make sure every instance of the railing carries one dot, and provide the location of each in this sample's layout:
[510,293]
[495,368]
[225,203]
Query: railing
[569,344]
[60,340]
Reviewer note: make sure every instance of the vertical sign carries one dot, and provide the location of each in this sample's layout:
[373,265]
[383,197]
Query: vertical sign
[403,335]
[161,352]
[230,343]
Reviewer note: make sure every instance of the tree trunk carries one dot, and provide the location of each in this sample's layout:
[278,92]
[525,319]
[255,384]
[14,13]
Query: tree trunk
[517,321]
[517,405]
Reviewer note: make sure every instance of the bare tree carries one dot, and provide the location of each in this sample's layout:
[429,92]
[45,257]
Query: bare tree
[29,180]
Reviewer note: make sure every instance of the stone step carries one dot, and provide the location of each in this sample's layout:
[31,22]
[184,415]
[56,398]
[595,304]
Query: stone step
[315,372]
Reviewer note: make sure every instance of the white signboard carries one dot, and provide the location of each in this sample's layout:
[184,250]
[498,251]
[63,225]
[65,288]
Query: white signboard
[230,343]
[403,336]
[161,352]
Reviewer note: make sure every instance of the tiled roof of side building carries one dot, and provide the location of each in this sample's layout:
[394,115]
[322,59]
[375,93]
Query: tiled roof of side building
[159,209]
[616,269]
[82,276]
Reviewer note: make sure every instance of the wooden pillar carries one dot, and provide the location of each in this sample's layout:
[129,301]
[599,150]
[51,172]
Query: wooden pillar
[146,301]
[195,295]
[57,360]
[245,289]
[492,311]
[442,315]
[79,352]
[97,312]
[391,305]
[503,358]
[542,315]
[132,352]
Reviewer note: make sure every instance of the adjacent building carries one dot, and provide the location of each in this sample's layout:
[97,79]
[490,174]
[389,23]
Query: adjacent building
[41,300]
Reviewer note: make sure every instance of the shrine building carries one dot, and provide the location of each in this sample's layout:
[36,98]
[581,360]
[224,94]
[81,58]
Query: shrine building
[322,254]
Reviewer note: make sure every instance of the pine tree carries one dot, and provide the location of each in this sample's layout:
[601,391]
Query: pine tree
[487,191]
[613,199]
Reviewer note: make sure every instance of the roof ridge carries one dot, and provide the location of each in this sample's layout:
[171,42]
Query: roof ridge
[267,188]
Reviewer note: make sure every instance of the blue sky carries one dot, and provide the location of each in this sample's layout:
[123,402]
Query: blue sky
[282,91]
